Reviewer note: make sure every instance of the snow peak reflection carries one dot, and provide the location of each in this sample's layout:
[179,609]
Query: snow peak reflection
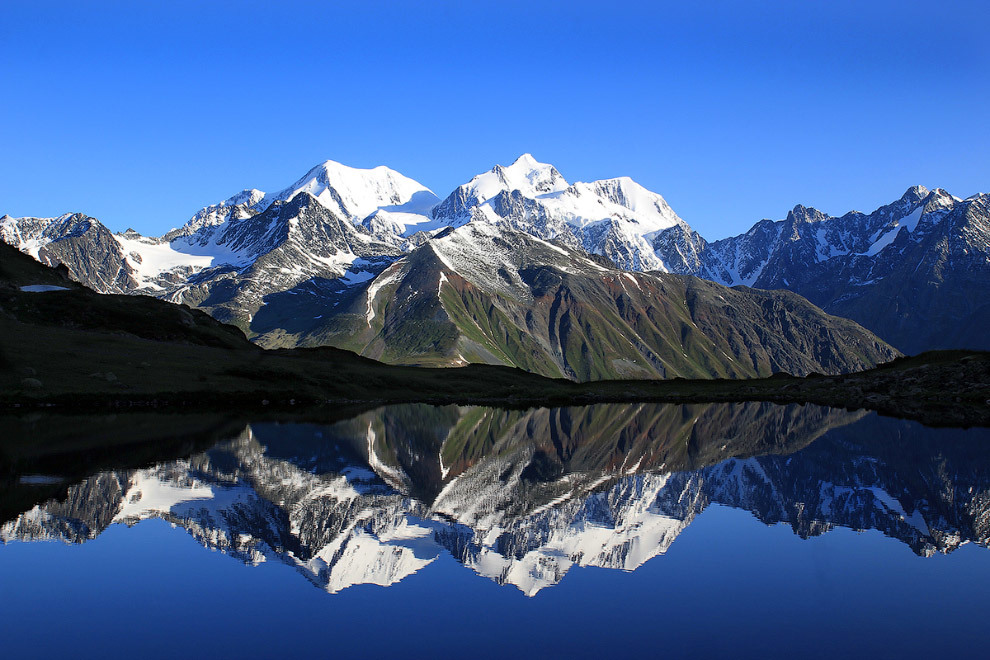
[522,496]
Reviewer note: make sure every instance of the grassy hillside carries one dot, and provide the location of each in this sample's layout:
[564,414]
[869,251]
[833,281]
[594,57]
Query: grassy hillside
[513,300]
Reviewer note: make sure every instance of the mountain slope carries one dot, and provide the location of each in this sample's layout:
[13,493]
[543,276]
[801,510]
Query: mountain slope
[481,294]
[913,271]
[89,250]
[297,247]
[62,344]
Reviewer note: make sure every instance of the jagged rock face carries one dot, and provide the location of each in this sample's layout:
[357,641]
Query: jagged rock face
[242,205]
[292,248]
[482,294]
[682,241]
[522,496]
[86,247]
[229,267]
[931,294]
[911,271]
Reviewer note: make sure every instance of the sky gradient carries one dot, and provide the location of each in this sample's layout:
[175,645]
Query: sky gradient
[140,113]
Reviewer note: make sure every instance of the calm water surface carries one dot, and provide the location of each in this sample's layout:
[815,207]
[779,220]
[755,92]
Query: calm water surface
[733,530]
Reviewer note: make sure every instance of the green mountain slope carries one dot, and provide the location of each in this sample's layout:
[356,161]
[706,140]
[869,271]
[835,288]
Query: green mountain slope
[477,295]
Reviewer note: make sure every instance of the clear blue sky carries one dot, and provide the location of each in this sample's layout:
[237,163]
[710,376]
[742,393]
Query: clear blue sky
[140,113]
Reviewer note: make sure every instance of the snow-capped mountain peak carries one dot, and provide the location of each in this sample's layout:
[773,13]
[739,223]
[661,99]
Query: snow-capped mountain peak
[617,218]
[354,194]
[251,197]
[242,205]
[31,234]
[526,160]
[527,175]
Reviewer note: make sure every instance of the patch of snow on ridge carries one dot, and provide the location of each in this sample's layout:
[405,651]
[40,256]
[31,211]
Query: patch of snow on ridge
[555,248]
[443,280]
[355,273]
[440,255]
[911,221]
[385,278]
[43,288]
[149,259]
[148,494]
[883,241]
[402,223]
[825,250]
[367,559]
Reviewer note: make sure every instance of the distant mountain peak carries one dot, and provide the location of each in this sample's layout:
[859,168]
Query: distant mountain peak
[807,214]
[249,196]
[915,194]
[527,160]
[911,271]
[330,171]
[525,174]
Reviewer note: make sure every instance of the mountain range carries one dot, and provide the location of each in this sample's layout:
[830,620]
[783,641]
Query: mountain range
[519,267]
[914,271]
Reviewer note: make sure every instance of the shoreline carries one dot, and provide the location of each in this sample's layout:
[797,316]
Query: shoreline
[949,388]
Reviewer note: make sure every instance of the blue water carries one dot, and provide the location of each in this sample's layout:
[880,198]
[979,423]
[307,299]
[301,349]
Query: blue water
[729,585]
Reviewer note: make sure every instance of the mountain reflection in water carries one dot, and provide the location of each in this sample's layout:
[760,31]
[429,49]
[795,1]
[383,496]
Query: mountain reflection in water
[521,496]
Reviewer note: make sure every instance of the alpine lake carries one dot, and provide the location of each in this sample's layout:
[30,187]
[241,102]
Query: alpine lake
[747,530]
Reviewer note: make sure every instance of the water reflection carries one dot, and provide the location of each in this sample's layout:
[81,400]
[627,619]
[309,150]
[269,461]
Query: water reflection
[521,496]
